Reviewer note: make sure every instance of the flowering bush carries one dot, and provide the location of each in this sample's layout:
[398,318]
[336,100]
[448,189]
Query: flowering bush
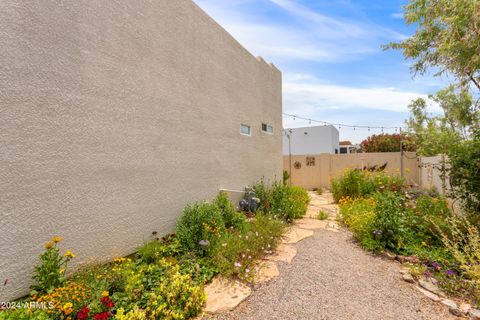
[51,271]
[66,300]
[236,253]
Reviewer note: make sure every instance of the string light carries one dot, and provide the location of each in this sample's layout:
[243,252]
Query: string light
[340,125]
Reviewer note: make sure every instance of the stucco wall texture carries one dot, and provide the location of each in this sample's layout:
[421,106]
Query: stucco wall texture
[116,114]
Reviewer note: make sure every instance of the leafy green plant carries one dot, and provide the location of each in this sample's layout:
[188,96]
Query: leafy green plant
[391,221]
[319,191]
[359,215]
[360,183]
[156,249]
[322,215]
[135,314]
[24,314]
[278,200]
[199,225]
[231,218]
[50,273]
[464,173]
[176,298]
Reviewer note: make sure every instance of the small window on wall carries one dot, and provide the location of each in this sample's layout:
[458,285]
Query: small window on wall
[310,161]
[245,130]
[267,128]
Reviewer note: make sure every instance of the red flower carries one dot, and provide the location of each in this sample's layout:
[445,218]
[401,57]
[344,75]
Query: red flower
[101,316]
[107,302]
[83,313]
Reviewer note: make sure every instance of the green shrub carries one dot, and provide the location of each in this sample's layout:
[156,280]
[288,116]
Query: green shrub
[176,298]
[200,221]
[430,213]
[322,215]
[155,249]
[359,183]
[231,218]
[464,173]
[319,191]
[352,184]
[392,221]
[278,200]
[289,203]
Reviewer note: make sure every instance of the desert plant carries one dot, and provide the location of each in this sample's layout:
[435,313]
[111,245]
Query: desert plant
[199,224]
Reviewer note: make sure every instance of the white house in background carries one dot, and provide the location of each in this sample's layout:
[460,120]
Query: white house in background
[346,147]
[311,140]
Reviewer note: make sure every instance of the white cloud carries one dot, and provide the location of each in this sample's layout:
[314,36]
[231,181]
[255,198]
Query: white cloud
[309,35]
[305,95]
[397,15]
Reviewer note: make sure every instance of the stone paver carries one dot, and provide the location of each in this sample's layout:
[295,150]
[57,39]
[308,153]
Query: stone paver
[265,271]
[224,295]
[296,234]
[332,278]
[284,253]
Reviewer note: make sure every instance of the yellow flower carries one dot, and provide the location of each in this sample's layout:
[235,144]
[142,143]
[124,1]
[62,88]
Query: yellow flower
[69,254]
[57,239]
[48,245]
[105,293]
[67,305]
[61,271]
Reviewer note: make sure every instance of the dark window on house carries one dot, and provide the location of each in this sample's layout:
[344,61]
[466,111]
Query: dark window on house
[343,150]
[267,128]
[310,161]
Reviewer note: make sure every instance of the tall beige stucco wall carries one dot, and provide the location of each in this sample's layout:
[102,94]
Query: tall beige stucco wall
[116,114]
[328,166]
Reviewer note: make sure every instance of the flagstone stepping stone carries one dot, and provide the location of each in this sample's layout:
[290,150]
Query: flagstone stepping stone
[295,234]
[312,224]
[428,294]
[332,226]
[283,253]
[265,271]
[224,295]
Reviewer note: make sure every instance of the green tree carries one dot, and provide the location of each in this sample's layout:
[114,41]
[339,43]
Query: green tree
[447,38]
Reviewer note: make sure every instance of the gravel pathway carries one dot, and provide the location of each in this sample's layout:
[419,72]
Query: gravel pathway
[332,278]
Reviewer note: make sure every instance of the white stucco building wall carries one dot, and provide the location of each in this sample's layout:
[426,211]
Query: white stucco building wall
[114,116]
[311,140]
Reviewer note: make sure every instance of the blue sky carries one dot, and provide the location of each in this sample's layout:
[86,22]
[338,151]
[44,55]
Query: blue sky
[330,54]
